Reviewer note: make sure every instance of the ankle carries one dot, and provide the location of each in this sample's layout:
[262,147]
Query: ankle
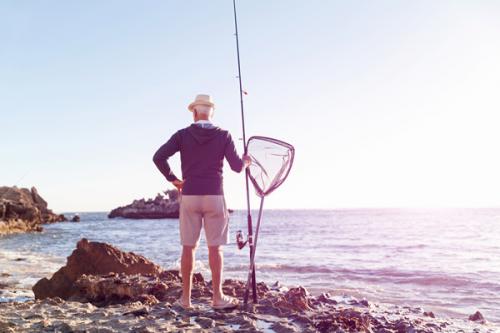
[218,295]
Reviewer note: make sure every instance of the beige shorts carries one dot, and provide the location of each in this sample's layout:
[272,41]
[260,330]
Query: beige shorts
[207,210]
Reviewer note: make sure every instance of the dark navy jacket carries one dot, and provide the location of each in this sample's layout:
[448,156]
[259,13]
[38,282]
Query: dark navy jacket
[202,155]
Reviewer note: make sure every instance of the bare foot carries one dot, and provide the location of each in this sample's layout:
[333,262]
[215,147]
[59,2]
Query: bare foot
[224,302]
[184,301]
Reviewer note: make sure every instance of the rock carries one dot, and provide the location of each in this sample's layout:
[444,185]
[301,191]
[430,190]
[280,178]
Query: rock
[147,299]
[280,327]
[236,288]
[171,275]
[159,290]
[245,322]
[205,322]
[7,326]
[75,218]
[403,326]
[477,317]
[384,330]
[302,319]
[345,319]
[92,258]
[103,290]
[138,313]
[47,215]
[295,299]
[172,195]
[277,286]
[198,278]
[61,327]
[159,208]
[53,300]
[23,210]
[429,314]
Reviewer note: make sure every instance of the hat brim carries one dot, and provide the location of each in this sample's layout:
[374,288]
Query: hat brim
[192,105]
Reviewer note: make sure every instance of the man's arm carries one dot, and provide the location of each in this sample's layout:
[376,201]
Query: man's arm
[163,153]
[235,162]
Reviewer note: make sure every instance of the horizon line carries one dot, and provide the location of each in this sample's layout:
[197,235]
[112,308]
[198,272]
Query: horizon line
[335,208]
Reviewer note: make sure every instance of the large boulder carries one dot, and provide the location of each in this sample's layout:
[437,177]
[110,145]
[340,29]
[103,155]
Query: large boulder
[24,210]
[92,258]
[113,288]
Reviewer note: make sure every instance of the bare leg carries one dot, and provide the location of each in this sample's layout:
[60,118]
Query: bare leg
[216,261]
[187,267]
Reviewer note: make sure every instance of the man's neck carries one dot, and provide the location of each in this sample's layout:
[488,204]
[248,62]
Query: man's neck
[203,121]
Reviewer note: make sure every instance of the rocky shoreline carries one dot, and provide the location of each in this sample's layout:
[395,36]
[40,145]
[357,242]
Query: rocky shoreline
[24,210]
[103,289]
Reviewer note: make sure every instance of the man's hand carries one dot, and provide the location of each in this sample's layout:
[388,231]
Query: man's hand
[246,161]
[178,183]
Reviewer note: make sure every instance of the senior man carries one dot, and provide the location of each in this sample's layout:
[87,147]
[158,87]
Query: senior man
[203,147]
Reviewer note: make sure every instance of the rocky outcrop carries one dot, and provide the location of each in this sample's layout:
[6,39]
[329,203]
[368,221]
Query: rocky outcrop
[24,210]
[477,317]
[91,258]
[160,207]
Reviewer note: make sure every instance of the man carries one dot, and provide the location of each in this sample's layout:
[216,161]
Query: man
[203,147]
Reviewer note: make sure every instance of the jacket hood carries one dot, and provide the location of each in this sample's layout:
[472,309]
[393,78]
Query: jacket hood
[203,135]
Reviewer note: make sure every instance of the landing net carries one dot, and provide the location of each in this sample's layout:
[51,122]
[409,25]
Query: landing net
[272,160]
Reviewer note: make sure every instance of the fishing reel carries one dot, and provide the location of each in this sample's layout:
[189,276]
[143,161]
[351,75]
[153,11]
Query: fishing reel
[240,240]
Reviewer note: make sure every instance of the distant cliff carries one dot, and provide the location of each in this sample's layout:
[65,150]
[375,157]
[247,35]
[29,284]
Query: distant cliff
[23,210]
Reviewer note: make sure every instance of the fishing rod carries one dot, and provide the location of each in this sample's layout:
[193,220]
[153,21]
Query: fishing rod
[249,216]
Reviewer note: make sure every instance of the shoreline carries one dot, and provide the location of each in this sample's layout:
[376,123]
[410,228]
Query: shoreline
[12,293]
[142,300]
[16,290]
[280,309]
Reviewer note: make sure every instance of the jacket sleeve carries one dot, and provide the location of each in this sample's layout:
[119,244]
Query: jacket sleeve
[235,162]
[161,156]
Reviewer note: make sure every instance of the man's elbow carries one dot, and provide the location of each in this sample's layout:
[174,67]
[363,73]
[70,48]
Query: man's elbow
[237,168]
[157,159]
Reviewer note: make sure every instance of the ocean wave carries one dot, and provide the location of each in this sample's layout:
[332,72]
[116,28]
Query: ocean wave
[25,267]
[383,275]
[284,268]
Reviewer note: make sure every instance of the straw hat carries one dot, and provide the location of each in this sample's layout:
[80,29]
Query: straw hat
[201,99]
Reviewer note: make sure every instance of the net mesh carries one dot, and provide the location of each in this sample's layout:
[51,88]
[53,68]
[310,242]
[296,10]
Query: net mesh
[272,160]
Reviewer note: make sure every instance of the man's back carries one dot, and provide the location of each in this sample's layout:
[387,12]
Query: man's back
[202,152]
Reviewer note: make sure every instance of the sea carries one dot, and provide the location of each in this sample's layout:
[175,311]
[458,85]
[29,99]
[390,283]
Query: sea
[443,260]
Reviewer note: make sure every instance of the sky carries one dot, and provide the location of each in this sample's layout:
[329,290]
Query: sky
[388,103]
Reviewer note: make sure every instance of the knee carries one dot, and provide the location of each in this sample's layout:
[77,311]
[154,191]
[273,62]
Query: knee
[214,250]
[188,250]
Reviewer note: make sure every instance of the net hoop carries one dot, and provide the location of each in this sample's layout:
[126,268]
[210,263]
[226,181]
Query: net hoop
[283,175]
